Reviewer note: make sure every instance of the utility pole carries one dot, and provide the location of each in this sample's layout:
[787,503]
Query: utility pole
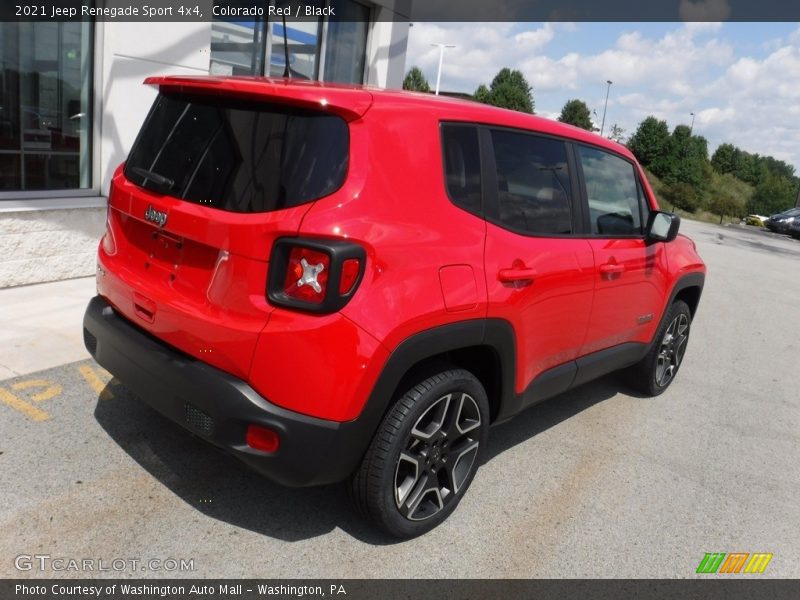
[691,127]
[603,124]
[441,60]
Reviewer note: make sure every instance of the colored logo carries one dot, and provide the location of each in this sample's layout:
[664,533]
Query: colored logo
[735,562]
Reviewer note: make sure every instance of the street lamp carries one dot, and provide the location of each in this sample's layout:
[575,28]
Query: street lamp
[692,125]
[603,124]
[441,59]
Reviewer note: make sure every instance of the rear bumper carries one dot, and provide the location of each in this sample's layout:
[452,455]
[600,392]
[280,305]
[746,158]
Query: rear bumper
[218,407]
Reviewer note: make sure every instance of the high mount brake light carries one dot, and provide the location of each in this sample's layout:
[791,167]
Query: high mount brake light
[314,275]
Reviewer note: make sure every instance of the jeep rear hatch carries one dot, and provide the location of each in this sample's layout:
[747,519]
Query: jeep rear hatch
[212,180]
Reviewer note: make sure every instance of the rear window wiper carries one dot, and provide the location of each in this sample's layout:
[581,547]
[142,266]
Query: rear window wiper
[154,177]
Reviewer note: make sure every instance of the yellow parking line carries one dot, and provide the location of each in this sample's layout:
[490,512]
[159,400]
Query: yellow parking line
[29,410]
[97,384]
[52,389]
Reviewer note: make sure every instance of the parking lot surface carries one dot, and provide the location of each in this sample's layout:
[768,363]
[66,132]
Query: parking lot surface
[594,483]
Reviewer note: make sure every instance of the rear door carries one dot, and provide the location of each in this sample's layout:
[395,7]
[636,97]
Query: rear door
[209,185]
[539,274]
[630,278]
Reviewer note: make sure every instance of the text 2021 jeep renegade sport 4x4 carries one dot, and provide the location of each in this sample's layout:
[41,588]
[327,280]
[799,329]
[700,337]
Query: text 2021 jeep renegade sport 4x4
[340,283]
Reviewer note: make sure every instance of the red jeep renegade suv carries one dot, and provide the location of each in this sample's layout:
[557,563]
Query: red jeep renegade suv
[340,283]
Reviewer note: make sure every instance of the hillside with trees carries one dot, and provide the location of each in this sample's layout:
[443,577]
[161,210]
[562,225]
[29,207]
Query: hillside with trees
[731,183]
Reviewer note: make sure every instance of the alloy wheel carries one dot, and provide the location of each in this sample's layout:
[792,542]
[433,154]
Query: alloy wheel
[438,456]
[672,349]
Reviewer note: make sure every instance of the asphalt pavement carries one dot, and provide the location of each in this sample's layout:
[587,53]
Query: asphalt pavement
[594,483]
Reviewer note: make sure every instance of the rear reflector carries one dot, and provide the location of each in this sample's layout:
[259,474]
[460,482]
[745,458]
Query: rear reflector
[350,270]
[262,438]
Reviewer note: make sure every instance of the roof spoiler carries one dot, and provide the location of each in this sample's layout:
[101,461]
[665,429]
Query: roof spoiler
[349,102]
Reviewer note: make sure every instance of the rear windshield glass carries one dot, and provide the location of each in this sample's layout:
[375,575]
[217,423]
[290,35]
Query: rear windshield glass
[238,156]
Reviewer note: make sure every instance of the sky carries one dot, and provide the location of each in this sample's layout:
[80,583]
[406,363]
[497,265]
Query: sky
[742,80]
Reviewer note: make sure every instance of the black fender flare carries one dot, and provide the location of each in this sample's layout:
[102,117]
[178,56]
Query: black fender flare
[497,334]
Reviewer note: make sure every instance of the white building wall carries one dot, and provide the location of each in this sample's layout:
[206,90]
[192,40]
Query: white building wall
[132,52]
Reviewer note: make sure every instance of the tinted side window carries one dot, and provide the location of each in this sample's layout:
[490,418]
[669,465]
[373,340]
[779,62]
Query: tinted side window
[613,193]
[462,166]
[533,183]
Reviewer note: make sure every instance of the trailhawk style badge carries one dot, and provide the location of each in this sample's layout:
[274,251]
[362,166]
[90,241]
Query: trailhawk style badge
[155,216]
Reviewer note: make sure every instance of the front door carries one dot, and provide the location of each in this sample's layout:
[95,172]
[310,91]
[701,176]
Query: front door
[630,276]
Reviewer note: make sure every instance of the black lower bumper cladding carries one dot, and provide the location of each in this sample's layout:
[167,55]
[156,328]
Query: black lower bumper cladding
[218,407]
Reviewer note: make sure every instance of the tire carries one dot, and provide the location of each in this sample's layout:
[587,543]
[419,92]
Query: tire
[424,454]
[656,371]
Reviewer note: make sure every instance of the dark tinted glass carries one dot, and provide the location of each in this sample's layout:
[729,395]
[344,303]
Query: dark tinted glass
[462,166]
[611,186]
[237,156]
[533,183]
[45,105]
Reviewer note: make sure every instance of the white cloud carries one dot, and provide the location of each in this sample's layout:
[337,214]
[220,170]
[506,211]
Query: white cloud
[747,99]
[481,50]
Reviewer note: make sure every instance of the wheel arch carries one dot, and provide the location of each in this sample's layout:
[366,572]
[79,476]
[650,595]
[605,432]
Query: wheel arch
[688,288]
[485,347]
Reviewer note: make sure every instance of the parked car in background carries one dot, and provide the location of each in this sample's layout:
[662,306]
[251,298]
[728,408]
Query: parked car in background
[755,220]
[794,229]
[780,223]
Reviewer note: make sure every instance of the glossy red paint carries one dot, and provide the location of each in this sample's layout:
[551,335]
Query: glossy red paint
[198,282]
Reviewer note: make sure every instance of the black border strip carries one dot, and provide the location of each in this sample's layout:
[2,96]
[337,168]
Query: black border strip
[412,10]
[752,587]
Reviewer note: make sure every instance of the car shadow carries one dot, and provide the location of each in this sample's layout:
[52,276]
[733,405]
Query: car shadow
[541,417]
[222,488]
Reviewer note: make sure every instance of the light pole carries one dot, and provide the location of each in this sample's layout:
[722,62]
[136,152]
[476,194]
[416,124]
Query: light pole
[603,124]
[441,59]
[691,127]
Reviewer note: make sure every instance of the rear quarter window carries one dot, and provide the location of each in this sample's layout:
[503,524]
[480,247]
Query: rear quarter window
[239,156]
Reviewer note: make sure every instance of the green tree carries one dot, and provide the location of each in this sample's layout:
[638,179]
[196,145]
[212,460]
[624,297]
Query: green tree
[649,143]
[724,158]
[728,185]
[773,195]
[509,89]
[576,112]
[482,94]
[415,81]
[682,195]
[687,160]
[617,133]
[725,205]
[747,168]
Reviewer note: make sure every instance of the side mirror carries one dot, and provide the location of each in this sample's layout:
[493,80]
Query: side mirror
[662,226]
